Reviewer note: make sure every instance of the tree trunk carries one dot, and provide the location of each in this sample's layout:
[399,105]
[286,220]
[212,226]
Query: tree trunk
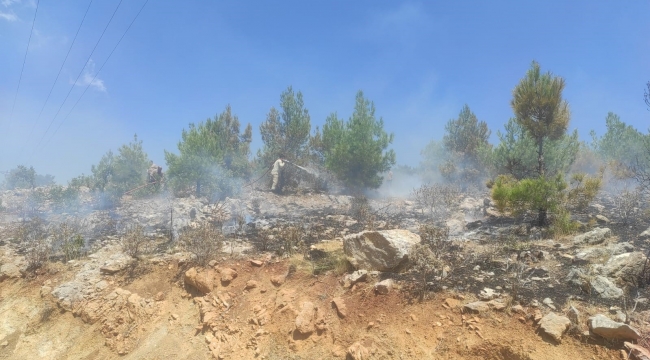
[540,157]
[541,216]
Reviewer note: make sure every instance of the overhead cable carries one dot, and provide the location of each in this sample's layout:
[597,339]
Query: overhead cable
[20,78]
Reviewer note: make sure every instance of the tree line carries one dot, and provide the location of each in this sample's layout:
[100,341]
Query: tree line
[526,170]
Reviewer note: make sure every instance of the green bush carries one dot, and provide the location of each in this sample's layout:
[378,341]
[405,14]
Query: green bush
[114,175]
[546,195]
[20,178]
[63,198]
[68,240]
[211,156]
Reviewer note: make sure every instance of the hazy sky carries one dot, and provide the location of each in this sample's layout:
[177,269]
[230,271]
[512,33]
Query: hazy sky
[184,61]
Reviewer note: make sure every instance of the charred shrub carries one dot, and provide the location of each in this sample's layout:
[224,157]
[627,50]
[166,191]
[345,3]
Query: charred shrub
[33,236]
[204,242]
[68,240]
[438,199]
[292,240]
[361,210]
[424,264]
[256,206]
[427,256]
[626,202]
[134,241]
[436,238]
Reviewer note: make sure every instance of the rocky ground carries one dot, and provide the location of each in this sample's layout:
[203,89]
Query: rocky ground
[503,290]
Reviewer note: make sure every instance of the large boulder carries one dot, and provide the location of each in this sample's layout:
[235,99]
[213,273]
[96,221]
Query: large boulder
[624,267]
[605,288]
[385,250]
[610,329]
[595,236]
[554,325]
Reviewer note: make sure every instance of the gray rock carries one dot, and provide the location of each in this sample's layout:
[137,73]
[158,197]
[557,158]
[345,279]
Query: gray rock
[548,302]
[602,220]
[591,255]
[487,294]
[357,276]
[610,329]
[576,277]
[554,325]
[605,288]
[574,315]
[621,248]
[384,287]
[68,294]
[476,307]
[593,237]
[624,267]
[645,235]
[385,250]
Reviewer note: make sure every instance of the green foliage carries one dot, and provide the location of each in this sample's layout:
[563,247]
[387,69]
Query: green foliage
[583,190]
[621,142]
[536,194]
[552,195]
[433,156]
[465,135]
[459,158]
[68,240]
[516,153]
[356,150]
[286,134]
[114,175]
[44,180]
[20,178]
[212,155]
[540,110]
[63,197]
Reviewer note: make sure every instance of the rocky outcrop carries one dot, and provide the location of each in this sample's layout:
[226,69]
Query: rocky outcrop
[610,329]
[595,236]
[385,250]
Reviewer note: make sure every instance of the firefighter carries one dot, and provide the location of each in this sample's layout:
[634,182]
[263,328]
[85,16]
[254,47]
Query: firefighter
[276,173]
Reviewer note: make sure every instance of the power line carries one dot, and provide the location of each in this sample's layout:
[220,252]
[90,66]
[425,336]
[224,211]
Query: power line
[81,72]
[60,69]
[24,61]
[98,71]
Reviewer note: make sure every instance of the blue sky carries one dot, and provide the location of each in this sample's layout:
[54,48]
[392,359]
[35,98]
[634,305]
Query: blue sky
[420,62]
